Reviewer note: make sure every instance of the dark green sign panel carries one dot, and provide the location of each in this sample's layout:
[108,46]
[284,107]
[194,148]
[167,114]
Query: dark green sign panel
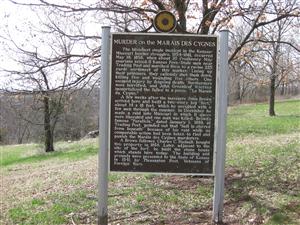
[163,103]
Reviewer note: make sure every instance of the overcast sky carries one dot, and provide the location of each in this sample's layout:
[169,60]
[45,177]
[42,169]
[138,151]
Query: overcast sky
[12,18]
[15,20]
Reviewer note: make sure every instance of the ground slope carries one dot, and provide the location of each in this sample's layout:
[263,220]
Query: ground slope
[262,183]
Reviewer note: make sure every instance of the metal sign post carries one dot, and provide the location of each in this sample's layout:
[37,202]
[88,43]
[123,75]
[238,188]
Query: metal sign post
[222,81]
[103,128]
[157,125]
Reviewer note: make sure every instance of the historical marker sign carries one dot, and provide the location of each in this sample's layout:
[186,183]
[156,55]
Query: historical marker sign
[163,103]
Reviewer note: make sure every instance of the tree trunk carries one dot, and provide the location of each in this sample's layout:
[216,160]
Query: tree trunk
[47,126]
[238,91]
[282,89]
[272,96]
[273,76]
[238,84]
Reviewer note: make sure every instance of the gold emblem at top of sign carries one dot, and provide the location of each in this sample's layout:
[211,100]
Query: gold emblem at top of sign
[165,22]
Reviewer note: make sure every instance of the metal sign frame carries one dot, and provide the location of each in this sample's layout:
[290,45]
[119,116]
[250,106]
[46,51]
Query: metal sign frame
[220,127]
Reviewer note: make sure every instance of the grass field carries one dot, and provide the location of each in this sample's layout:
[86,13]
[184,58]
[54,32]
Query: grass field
[262,184]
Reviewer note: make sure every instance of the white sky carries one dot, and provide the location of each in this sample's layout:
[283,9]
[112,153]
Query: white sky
[11,17]
[16,19]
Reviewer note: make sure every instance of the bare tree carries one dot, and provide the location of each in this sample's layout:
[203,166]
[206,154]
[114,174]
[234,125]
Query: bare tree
[276,39]
[47,69]
[35,81]
[243,68]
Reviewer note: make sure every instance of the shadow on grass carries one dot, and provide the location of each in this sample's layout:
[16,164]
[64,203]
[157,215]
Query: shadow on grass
[78,154]
[251,193]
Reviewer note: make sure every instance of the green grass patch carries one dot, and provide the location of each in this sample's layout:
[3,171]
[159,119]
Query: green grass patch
[205,191]
[280,219]
[10,154]
[37,202]
[31,214]
[56,209]
[19,154]
[253,119]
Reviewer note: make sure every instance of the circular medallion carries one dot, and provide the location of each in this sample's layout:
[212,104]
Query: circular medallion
[164,21]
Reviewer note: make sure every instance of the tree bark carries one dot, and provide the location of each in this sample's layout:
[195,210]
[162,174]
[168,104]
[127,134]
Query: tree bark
[47,126]
[282,89]
[238,84]
[272,96]
[274,75]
